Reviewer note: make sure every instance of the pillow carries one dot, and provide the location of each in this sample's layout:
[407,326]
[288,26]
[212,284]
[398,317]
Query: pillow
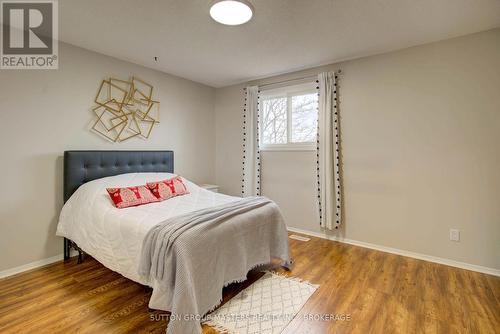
[131,196]
[168,188]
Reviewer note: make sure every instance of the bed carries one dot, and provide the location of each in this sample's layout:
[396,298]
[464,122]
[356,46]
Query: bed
[89,222]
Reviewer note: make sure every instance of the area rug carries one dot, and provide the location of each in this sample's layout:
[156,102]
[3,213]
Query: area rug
[266,306]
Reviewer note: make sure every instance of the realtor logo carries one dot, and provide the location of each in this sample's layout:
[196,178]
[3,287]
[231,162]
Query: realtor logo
[29,35]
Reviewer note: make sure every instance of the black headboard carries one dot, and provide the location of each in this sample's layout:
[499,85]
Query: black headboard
[84,166]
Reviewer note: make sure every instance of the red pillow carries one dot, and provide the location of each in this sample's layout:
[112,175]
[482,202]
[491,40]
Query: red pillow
[131,196]
[168,188]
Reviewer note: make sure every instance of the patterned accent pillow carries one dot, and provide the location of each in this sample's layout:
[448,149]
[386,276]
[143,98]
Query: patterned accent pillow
[131,196]
[168,188]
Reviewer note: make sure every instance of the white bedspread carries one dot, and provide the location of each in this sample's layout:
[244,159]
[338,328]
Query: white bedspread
[114,236]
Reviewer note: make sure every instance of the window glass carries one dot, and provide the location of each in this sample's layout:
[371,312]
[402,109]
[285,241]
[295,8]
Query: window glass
[304,118]
[273,124]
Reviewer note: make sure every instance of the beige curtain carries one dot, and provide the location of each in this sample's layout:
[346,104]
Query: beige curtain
[328,153]
[251,151]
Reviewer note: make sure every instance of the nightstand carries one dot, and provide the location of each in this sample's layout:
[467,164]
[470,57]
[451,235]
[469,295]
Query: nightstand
[211,187]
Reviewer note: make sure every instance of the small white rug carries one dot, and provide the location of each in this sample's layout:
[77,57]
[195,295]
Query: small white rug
[266,306]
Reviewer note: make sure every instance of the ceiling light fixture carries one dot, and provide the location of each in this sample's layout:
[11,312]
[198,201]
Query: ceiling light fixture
[231,12]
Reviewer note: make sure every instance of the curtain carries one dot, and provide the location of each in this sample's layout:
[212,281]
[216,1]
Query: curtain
[328,149]
[251,151]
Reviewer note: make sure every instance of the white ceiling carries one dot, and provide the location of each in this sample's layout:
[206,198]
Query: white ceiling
[283,36]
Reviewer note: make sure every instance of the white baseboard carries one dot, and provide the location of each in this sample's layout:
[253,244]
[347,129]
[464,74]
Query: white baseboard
[33,265]
[430,258]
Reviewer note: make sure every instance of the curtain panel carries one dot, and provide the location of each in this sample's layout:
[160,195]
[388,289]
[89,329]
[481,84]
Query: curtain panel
[251,151]
[328,153]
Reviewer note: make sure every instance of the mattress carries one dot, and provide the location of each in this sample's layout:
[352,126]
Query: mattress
[114,236]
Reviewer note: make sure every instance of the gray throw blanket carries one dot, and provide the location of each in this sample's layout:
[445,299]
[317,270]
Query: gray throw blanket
[195,255]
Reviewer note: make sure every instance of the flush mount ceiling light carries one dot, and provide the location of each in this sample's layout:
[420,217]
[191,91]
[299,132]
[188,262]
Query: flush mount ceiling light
[231,12]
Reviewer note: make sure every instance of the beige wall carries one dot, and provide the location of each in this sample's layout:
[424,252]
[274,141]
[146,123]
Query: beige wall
[421,138]
[421,150]
[43,113]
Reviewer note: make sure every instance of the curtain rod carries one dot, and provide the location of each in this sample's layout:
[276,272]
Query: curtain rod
[295,79]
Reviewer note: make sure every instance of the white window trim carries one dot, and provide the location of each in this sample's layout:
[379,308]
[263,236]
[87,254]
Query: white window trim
[289,146]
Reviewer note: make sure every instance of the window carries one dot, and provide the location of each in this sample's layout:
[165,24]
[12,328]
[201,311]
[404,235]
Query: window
[289,118]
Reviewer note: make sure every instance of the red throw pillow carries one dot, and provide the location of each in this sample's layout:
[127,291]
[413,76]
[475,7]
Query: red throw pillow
[131,196]
[168,188]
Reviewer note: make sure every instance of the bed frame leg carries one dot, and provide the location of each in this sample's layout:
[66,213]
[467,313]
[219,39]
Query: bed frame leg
[66,249]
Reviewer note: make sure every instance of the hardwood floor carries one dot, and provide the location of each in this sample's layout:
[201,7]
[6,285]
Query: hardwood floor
[380,292]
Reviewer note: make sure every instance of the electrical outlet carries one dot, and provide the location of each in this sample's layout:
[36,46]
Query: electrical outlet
[454,234]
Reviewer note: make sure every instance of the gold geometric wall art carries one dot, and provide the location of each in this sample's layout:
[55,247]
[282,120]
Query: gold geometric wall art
[125,109]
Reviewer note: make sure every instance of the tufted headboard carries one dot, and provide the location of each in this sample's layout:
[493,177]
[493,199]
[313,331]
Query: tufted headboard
[84,166]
